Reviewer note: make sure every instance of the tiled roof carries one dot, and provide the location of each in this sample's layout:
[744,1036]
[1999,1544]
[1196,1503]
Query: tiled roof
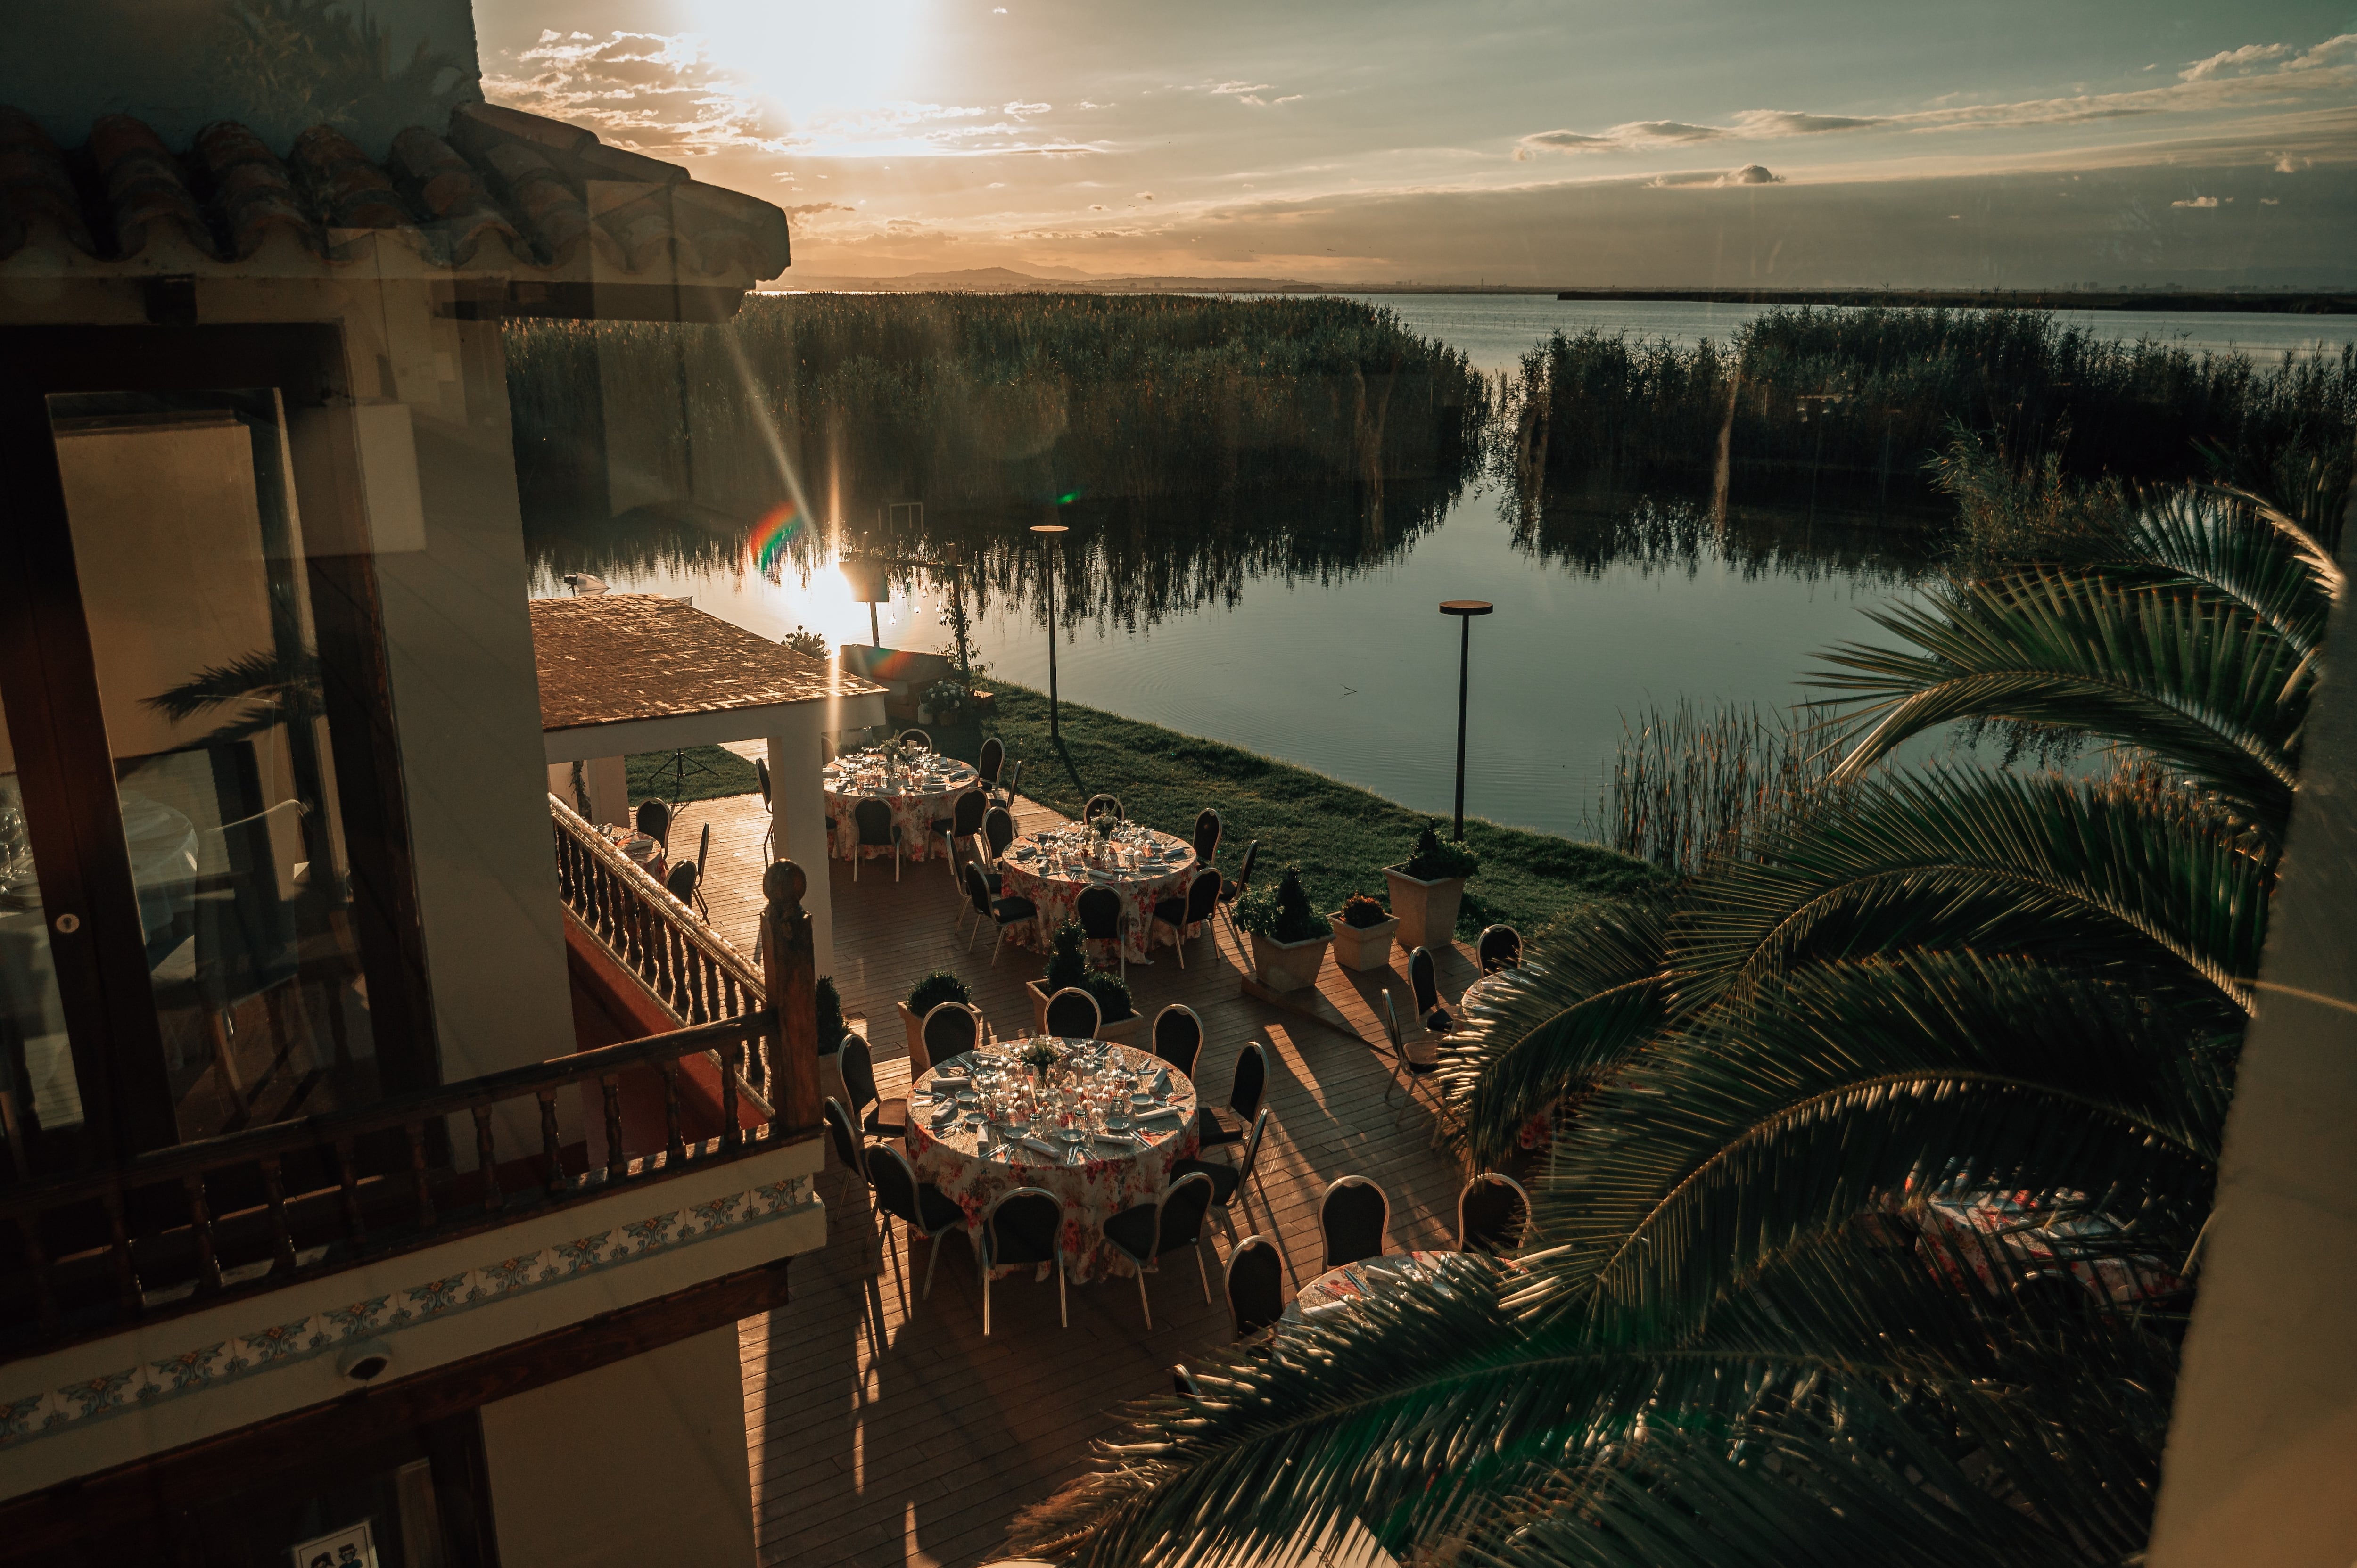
[502,191]
[618,658]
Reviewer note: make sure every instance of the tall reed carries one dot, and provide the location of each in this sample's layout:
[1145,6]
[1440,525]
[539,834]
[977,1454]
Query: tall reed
[1688,785]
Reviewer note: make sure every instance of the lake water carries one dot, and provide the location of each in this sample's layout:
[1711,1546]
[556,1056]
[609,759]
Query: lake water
[1357,676]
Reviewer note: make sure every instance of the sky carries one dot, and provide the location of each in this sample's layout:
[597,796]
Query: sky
[1683,142]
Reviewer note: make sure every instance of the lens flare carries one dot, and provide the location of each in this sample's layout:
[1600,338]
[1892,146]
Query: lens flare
[766,545]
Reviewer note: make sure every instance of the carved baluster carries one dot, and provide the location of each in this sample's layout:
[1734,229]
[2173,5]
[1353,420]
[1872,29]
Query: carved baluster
[732,1056]
[674,1150]
[348,1178]
[118,1244]
[37,1262]
[551,1154]
[790,973]
[485,1162]
[415,1132]
[617,1163]
[282,1237]
[201,1226]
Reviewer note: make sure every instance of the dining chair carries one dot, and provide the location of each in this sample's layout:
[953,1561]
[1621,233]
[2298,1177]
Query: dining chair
[951,1029]
[1497,947]
[1232,891]
[1179,1037]
[1493,1214]
[761,775]
[1355,1217]
[1014,784]
[998,832]
[1156,1229]
[1424,980]
[1001,909]
[847,1146]
[1228,1180]
[964,822]
[1255,1283]
[1099,911]
[928,1211]
[889,1118]
[992,757]
[874,821]
[1073,1014]
[915,740]
[1182,1381]
[1208,829]
[680,881]
[653,818]
[1244,1091]
[1175,915]
[1024,1226]
[1411,1069]
[1098,805]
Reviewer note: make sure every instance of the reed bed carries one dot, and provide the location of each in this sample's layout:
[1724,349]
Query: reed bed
[1688,785]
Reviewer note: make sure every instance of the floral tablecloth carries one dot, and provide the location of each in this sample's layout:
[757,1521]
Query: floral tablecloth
[970,1137]
[1354,1282]
[1054,868]
[1956,1234]
[920,797]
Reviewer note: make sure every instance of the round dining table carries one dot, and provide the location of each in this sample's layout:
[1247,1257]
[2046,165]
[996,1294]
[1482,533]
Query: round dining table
[919,793]
[1100,1132]
[1054,867]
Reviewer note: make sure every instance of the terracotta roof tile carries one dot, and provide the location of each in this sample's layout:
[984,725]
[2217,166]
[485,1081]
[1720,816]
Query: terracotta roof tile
[616,658]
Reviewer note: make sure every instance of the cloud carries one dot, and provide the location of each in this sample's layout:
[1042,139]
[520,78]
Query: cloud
[1749,174]
[2289,165]
[1145,196]
[2197,201]
[811,209]
[2269,201]
[1100,207]
[1020,110]
[1786,122]
[2233,62]
[1238,89]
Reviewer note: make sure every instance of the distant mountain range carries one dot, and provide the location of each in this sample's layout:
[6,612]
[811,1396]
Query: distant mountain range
[1067,280]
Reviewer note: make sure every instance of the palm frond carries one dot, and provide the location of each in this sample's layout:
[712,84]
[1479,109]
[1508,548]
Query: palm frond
[286,683]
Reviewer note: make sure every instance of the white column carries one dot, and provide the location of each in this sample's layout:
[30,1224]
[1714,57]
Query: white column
[798,819]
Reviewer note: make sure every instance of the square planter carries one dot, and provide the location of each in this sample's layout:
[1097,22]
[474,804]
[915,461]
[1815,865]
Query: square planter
[920,1063]
[1289,966]
[1363,948]
[1120,1032]
[1426,911]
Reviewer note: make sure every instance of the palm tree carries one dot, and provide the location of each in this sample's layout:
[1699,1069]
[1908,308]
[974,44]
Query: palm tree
[1730,1350]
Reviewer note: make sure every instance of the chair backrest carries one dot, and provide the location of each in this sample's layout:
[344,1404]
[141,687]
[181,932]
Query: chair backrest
[1022,1225]
[999,828]
[1255,1287]
[916,740]
[1423,979]
[762,772]
[1208,828]
[1014,779]
[1497,947]
[1354,1216]
[994,757]
[847,1136]
[1243,872]
[858,1072]
[681,879]
[966,817]
[1179,1037]
[653,818]
[895,1182]
[1250,1079]
[1392,1026]
[1182,1210]
[1203,894]
[977,888]
[952,1028]
[1098,806]
[1073,1014]
[1098,909]
[1492,1214]
[1183,1383]
[1252,1147]
[875,820]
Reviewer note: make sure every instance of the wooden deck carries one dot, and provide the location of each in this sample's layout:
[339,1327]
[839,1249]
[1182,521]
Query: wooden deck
[885,1429]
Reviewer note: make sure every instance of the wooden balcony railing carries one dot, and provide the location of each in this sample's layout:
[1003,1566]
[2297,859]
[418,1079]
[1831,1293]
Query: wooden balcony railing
[683,964]
[180,1228]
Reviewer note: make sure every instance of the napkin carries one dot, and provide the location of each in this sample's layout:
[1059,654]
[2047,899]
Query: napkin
[1161,1086]
[1052,1151]
[950,1080]
[946,1114]
[1163,1119]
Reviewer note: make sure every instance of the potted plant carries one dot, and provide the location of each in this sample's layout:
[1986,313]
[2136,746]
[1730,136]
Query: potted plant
[1363,933]
[924,996]
[1068,965]
[948,704]
[1428,889]
[1288,939]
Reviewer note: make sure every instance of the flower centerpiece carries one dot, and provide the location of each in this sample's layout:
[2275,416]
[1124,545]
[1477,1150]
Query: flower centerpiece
[1288,939]
[896,755]
[1363,933]
[1039,1055]
[1428,891]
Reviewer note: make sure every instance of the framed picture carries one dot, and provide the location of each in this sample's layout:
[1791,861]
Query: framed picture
[354,1546]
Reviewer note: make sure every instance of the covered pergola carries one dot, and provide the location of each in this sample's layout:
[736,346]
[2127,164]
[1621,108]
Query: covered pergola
[625,673]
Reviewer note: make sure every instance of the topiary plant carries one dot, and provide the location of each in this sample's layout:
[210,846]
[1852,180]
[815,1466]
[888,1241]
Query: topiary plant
[1360,911]
[1436,858]
[830,1017]
[810,642]
[1113,1000]
[1068,960]
[935,989]
[1282,914]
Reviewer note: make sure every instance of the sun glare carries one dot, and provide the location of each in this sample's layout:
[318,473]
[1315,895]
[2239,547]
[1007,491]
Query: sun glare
[810,56]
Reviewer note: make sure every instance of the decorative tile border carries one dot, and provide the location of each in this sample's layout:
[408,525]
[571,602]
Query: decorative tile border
[29,1416]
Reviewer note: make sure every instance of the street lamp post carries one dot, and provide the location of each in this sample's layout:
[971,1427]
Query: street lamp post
[1464,610]
[1048,532]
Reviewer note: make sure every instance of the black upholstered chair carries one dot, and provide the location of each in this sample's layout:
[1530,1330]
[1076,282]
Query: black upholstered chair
[1175,915]
[876,827]
[1245,1091]
[1156,1230]
[1000,909]
[1354,1216]
[1024,1226]
[1179,1037]
[1255,1287]
[1073,1014]
[1493,1214]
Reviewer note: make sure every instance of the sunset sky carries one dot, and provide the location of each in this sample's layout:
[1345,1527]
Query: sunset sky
[1989,142]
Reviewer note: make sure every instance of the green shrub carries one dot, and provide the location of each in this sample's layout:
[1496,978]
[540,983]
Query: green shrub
[1360,911]
[1112,993]
[935,989]
[1436,857]
[1067,960]
[1282,914]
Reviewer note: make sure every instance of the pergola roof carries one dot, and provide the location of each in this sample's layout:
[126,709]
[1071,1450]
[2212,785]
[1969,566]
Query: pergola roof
[637,659]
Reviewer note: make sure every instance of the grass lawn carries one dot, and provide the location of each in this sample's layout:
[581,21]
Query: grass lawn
[1340,836]
[712,771]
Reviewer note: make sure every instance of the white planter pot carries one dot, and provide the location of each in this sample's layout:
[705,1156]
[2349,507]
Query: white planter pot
[1426,911]
[1363,948]
[1289,966]
[920,1063]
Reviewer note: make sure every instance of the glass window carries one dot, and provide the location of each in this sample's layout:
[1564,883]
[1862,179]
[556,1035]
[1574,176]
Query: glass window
[36,1072]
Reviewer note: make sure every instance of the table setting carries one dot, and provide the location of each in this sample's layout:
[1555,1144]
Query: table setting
[922,788]
[1098,1125]
[1054,867]
[642,849]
